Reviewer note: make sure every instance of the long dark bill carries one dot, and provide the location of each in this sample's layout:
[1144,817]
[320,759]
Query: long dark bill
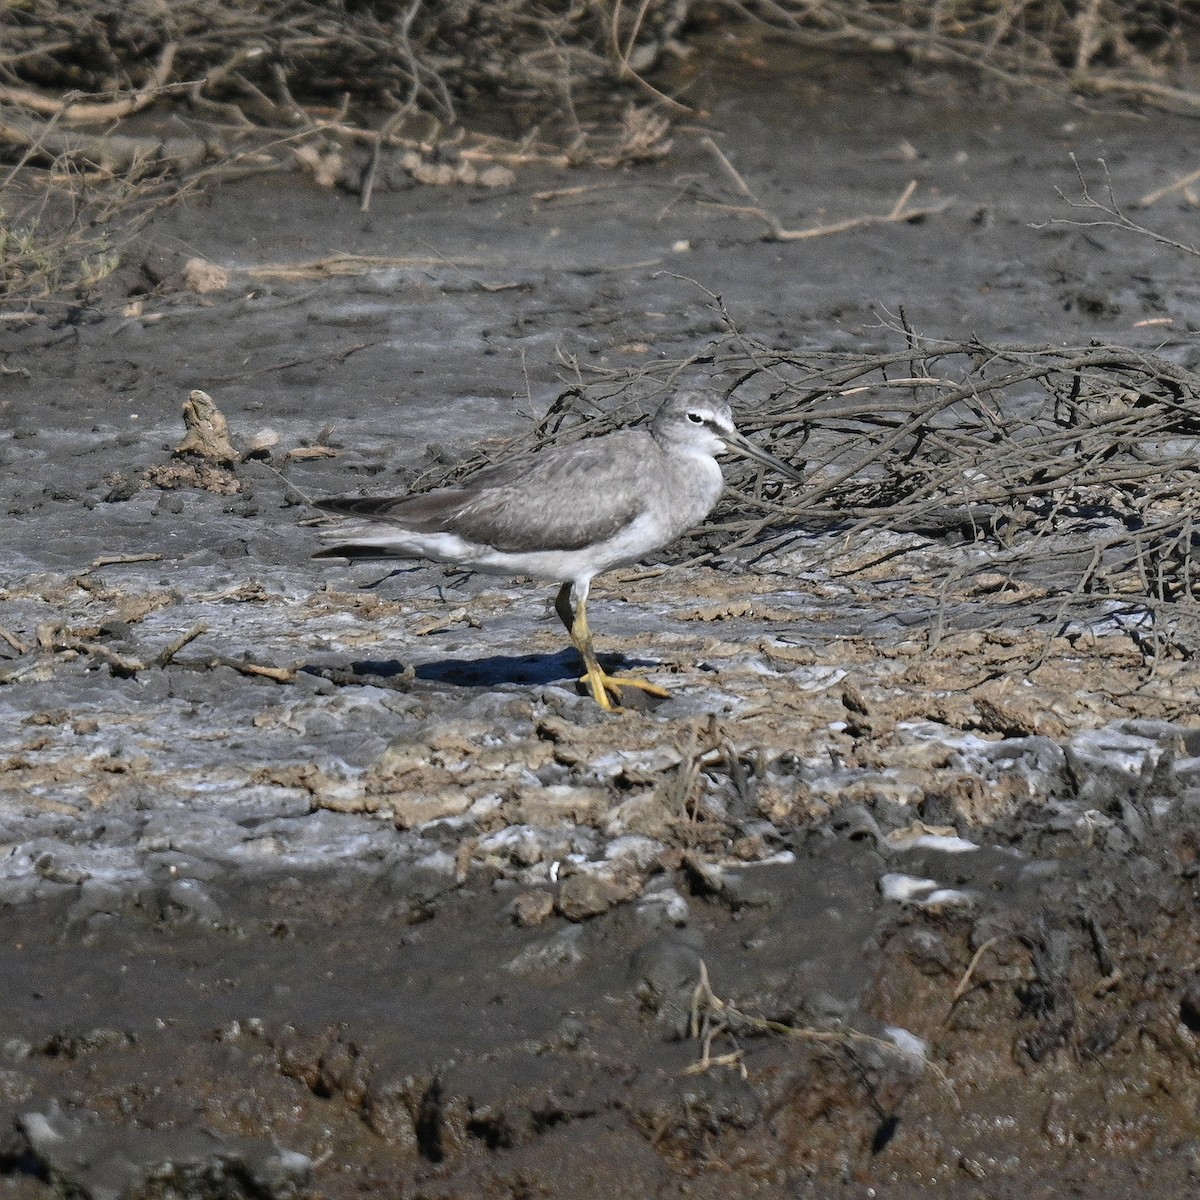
[738,444]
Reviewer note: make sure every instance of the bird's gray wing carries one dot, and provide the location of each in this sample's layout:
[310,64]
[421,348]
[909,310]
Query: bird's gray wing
[561,499]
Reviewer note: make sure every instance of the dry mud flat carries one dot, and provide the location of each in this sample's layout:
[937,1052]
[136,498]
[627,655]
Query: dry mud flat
[318,884]
[871,924]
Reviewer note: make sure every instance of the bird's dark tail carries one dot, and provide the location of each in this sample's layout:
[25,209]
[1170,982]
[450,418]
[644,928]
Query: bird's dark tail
[356,552]
[360,506]
[377,536]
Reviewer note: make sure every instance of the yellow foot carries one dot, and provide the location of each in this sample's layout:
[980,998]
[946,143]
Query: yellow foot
[602,686]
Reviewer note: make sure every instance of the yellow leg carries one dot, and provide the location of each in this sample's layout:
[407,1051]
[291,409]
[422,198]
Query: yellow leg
[604,688]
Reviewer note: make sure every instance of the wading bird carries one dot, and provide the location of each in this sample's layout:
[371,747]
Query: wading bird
[566,513]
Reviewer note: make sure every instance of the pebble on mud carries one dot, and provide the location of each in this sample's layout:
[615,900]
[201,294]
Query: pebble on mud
[496,176]
[260,444]
[325,166]
[583,896]
[532,908]
[409,812]
[204,277]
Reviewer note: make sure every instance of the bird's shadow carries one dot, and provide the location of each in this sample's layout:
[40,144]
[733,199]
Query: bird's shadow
[494,669]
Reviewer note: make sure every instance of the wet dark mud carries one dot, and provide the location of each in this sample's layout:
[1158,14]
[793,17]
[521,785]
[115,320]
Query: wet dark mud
[317,882]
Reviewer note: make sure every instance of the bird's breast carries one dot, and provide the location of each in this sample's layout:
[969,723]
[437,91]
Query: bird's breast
[687,491]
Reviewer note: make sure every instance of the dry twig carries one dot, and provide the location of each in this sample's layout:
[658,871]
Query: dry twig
[900,213]
[168,652]
[15,642]
[76,111]
[1182,184]
[1113,216]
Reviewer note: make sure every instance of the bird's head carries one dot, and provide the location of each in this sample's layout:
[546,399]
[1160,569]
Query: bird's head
[705,426]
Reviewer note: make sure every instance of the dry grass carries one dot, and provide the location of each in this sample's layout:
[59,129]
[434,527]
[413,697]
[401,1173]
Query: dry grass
[63,230]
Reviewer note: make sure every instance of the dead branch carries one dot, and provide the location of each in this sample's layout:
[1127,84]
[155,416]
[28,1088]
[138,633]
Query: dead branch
[1173,99]
[110,151]
[1113,214]
[716,151]
[624,54]
[78,112]
[277,674]
[351,264]
[15,642]
[108,560]
[59,641]
[900,213]
[1182,184]
[168,652]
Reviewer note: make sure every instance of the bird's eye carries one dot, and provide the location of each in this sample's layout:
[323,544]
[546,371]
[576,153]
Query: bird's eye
[695,418]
